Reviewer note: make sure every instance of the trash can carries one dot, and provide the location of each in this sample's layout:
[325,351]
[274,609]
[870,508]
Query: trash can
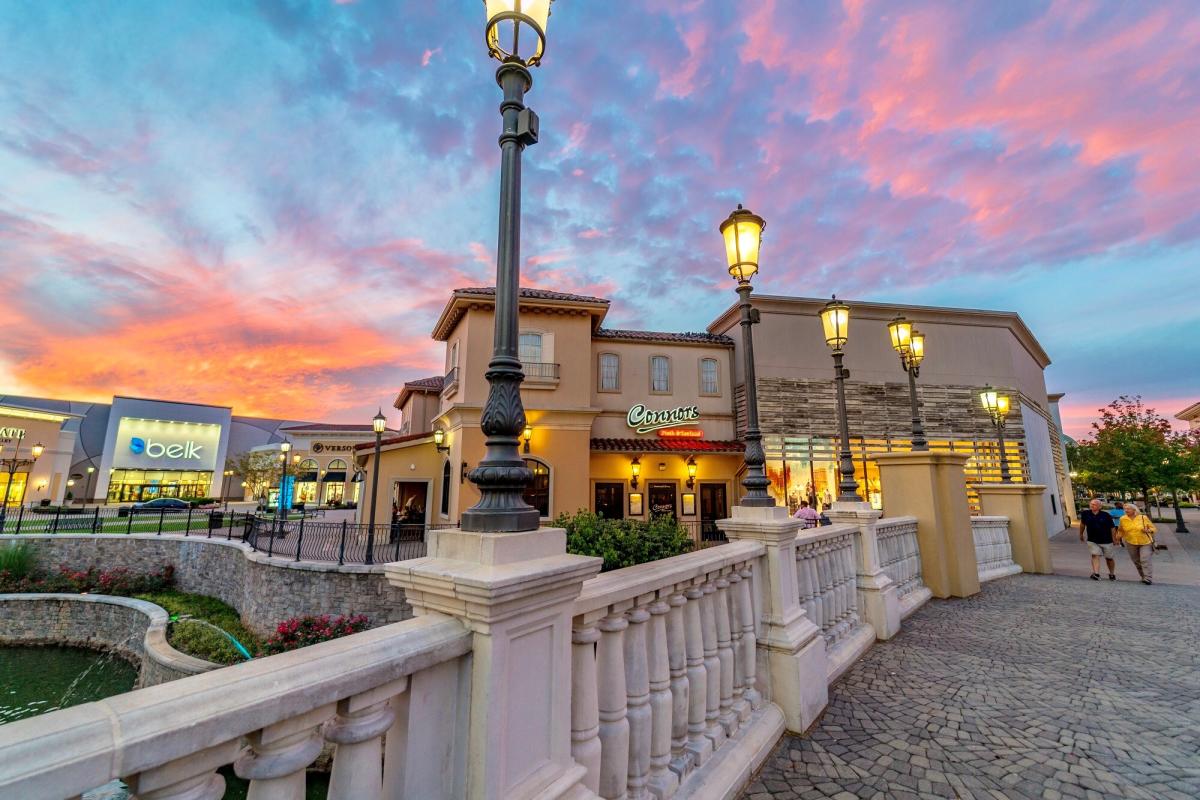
[215,520]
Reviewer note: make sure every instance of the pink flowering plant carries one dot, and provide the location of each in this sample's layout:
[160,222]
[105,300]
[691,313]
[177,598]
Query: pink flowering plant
[117,581]
[303,631]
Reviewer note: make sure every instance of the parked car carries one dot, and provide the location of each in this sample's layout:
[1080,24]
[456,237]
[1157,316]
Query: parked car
[171,505]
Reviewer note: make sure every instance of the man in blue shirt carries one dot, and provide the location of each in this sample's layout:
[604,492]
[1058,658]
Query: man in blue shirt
[1098,525]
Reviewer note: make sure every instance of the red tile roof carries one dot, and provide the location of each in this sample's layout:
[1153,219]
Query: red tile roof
[433,384]
[534,294]
[353,427]
[667,446]
[663,336]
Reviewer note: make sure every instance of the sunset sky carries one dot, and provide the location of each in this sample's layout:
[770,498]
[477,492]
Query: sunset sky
[265,204]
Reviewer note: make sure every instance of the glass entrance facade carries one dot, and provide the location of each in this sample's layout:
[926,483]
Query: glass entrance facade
[136,485]
[17,490]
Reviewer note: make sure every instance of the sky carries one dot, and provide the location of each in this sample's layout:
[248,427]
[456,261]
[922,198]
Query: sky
[265,205]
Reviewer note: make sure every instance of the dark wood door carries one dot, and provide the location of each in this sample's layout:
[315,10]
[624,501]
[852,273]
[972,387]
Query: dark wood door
[662,499]
[610,500]
[713,506]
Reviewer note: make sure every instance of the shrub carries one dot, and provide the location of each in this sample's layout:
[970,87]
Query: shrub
[197,639]
[302,631]
[118,581]
[17,560]
[202,501]
[623,542]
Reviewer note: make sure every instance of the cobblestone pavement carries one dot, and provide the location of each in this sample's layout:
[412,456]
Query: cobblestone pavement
[1039,687]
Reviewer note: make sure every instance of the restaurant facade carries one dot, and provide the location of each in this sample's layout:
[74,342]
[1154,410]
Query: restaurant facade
[630,423]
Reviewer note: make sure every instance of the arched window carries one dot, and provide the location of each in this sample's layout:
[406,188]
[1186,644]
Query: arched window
[307,465]
[446,490]
[537,493]
[336,464]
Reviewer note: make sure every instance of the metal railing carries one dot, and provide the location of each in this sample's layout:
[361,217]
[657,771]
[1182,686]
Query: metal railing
[451,379]
[540,370]
[124,520]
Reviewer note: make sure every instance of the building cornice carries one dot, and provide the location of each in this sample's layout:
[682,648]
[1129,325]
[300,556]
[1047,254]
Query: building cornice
[531,301]
[1190,413]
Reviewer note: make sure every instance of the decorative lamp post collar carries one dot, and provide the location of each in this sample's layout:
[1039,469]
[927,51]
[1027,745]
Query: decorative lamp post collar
[742,232]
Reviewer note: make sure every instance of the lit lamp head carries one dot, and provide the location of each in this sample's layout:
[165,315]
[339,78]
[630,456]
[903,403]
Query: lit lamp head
[916,348]
[38,450]
[90,470]
[70,482]
[379,423]
[635,470]
[742,232]
[285,446]
[901,330]
[835,319]
[995,403]
[527,434]
[439,439]
[507,20]
[691,470]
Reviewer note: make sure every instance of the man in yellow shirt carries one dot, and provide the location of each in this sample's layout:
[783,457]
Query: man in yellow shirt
[1136,532]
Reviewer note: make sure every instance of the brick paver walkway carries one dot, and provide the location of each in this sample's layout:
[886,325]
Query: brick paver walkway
[1039,687]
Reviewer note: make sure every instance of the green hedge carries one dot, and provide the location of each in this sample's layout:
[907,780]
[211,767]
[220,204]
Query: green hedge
[623,542]
[200,640]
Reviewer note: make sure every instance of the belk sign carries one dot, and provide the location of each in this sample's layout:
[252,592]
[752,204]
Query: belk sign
[154,444]
[155,449]
[644,420]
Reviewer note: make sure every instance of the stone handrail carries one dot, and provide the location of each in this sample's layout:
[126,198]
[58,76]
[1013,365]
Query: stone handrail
[270,718]
[993,549]
[899,554]
[826,574]
[664,668]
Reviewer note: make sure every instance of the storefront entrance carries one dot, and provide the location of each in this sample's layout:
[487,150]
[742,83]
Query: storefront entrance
[662,499]
[135,485]
[713,506]
[408,502]
[610,500]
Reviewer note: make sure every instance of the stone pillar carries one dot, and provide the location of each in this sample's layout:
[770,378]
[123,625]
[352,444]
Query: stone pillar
[878,595]
[1022,504]
[793,673]
[932,486]
[516,593]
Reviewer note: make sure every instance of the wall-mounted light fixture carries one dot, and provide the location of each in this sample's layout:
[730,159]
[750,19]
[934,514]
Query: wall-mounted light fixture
[439,440]
[691,469]
[635,470]
[527,435]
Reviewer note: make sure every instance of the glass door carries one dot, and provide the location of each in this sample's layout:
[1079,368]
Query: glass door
[662,499]
[713,506]
[610,500]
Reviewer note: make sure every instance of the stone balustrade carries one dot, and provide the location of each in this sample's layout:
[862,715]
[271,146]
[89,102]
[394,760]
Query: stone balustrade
[664,670]
[270,718]
[900,558]
[993,548]
[827,578]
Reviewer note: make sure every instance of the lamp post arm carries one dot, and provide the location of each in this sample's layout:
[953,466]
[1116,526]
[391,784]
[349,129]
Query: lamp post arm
[756,480]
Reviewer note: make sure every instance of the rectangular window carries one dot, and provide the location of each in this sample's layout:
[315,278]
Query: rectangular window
[660,374]
[529,348]
[708,376]
[610,372]
[453,356]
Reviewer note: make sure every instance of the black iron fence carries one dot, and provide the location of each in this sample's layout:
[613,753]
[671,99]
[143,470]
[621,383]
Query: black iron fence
[122,520]
[342,542]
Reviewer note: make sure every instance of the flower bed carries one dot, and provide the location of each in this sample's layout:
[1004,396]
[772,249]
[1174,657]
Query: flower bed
[302,631]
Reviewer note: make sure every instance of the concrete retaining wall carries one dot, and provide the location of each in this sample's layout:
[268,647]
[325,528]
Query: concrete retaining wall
[132,629]
[264,590]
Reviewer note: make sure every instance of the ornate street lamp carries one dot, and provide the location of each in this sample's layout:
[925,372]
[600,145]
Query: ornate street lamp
[87,491]
[835,320]
[997,405]
[527,435]
[742,232]
[635,470]
[379,425]
[13,464]
[439,440]
[516,36]
[910,344]
[225,488]
[692,469]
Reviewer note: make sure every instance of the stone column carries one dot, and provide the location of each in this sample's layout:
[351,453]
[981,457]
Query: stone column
[794,669]
[932,486]
[878,595]
[516,593]
[1022,504]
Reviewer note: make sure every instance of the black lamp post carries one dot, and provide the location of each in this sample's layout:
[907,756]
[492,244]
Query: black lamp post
[87,492]
[835,320]
[13,464]
[997,406]
[225,489]
[910,344]
[379,425]
[742,232]
[502,475]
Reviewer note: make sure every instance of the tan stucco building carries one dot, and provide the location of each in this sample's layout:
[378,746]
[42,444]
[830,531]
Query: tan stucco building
[25,479]
[1190,415]
[594,397]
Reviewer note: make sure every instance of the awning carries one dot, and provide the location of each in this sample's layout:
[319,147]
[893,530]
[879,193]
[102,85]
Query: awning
[667,446]
[306,477]
[335,477]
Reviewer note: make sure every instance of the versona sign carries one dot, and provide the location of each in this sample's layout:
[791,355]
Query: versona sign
[166,445]
[644,420]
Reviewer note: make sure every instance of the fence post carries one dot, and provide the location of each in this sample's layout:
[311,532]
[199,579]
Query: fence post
[57,512]
[232,517]
[20,515]
[299,538]
[251,532]
[128,520]
[342,546]
[397,558]
[187,528]
[271,540]
[162,512]
[96,520]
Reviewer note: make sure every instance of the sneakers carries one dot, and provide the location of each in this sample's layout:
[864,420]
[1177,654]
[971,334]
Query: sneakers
[1112,577]
[1095,576]
[1147,581]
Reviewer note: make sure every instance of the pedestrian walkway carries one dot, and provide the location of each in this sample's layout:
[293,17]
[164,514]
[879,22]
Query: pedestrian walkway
[1038,687]
[1177,564]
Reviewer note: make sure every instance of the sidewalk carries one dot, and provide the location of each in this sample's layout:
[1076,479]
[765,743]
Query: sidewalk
[1177,564]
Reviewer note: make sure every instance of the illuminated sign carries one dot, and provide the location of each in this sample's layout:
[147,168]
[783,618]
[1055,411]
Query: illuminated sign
[681,433]
[166,445]
[11,433]
[644,420]
[323,447]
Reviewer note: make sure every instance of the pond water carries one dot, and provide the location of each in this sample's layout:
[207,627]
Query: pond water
[35,680]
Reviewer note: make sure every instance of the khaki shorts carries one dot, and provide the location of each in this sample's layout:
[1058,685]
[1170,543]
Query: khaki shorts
[1105,550]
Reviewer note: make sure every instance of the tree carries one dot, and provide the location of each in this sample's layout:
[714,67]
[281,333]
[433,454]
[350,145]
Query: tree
[257,469]
[1132,449]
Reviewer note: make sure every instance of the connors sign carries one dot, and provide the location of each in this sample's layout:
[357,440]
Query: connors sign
[644,420]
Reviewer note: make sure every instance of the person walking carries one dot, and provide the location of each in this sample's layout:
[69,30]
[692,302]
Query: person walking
[1136,532]
[1098,525]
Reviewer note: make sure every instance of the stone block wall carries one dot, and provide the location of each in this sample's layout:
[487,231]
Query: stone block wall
[264,590]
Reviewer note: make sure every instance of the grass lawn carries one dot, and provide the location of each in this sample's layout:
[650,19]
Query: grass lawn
[200,640]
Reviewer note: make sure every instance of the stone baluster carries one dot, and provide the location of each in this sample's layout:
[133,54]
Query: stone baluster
[358,730]
[611,700]
[740,707]
[637,702]
[814,604]
[749,654]
[849,561]
[699,745]
[681,760]
[585,711]
[193,777]
[279,755]
[821,589]
[712,664]
[662,781]
[803,583]
[726,716]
